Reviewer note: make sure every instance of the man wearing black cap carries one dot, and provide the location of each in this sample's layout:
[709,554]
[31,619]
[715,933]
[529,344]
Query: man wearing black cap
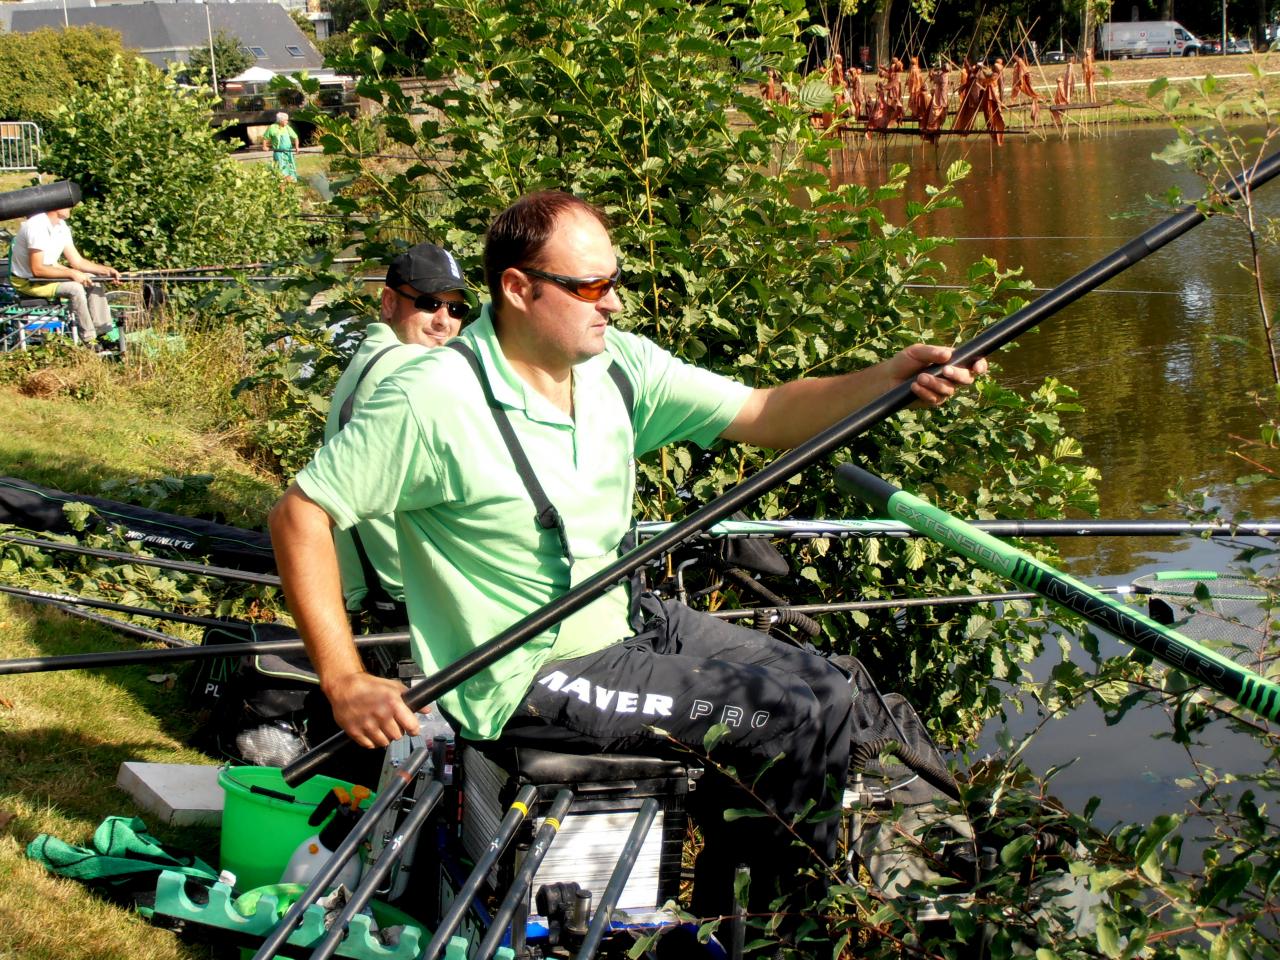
[423,305]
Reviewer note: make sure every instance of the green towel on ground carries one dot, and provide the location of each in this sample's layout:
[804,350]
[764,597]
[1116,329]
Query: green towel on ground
[122,854]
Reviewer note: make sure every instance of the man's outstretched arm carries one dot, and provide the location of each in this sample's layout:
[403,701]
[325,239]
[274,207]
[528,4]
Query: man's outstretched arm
[370,709]
[787,415]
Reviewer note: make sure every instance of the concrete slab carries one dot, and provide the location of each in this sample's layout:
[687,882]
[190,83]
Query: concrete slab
[178,794]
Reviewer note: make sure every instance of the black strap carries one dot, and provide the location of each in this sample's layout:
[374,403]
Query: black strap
[545,512]
[348,405]
[376,596]
[624,387]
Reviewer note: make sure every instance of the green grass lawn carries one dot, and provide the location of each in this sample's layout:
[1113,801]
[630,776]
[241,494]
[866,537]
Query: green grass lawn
[63,735]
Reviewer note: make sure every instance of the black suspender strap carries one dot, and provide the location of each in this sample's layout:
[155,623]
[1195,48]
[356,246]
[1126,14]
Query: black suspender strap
[545,512]
[624,387]
[348,405]
[376,595]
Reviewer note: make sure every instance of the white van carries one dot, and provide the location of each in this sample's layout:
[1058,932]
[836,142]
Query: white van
[1147,38]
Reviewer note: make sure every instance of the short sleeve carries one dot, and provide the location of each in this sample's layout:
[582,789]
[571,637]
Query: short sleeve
[675,400]
[378,464]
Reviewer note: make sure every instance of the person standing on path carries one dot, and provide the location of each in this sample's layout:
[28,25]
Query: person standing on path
[282,140]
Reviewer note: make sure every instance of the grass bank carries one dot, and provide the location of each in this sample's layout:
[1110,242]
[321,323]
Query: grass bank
[76,422]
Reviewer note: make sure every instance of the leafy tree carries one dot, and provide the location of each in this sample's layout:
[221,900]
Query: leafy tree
[230,56]
[305,25]
[160,190]
[40,70]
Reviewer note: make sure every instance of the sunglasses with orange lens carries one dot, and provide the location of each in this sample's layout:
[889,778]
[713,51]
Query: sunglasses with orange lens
[590,289]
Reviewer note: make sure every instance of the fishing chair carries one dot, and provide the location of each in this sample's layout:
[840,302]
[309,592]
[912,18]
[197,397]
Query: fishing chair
[29,321]
[608,790]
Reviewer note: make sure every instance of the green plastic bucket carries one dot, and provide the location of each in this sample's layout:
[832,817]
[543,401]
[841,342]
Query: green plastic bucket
[264,820]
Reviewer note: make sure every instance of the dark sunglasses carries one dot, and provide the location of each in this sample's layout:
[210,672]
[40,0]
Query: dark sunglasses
[590,289]
[431,303]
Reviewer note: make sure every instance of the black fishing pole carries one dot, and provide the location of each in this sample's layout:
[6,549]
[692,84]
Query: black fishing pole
[379,870]
[893,603]
[348,848]
[1222,674]
[185,650]
[181,648]
[518,892]
[618,878]
[789,464]
[183,566]
[452,919]
[835,529]
[43,596]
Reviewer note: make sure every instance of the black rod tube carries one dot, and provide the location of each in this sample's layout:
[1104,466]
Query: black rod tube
[43,596]
[344,852]
[123,658]
[511,821]
[618,879]
[374,876]
[184,566]
[783,468]
[524,876]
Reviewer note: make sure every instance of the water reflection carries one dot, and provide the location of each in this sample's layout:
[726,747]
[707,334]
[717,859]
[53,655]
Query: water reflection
[1164,357]
[1162,390]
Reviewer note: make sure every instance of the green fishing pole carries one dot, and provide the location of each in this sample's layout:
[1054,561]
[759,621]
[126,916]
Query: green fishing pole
[1224,675]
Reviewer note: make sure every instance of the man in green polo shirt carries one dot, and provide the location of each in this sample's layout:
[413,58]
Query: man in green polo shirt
[423,305]
[429,447]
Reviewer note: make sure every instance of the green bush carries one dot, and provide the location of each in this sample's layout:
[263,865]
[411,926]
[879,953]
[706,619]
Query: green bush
[160,189]
[230,57]
[41,70]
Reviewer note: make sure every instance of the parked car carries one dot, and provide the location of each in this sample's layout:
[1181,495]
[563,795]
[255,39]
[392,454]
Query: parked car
[1055,56]
[1234,45]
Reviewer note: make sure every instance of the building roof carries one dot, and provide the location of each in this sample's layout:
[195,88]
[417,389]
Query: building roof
[165,32]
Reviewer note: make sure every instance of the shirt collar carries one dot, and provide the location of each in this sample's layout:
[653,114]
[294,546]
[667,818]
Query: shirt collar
[508,387]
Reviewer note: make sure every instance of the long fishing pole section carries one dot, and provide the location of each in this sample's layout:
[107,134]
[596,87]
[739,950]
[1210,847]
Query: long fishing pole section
[182,566]
[381,868]
[453,917]
[841,529]
[1239,684]
[181,650]
[348,848]
[791,463]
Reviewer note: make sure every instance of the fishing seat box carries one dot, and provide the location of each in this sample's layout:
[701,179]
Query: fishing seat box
[608,791]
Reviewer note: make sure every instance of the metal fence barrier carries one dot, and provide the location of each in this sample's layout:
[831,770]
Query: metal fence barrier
[19,145]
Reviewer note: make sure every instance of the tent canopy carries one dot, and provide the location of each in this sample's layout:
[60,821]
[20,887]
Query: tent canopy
[253,75]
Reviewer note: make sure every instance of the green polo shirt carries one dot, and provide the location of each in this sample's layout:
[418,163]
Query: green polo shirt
[425,447]
[377,536]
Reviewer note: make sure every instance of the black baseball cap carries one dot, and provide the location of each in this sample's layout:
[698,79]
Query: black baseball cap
[427,268]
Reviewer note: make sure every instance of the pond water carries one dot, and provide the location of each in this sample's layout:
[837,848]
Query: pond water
[1164,357]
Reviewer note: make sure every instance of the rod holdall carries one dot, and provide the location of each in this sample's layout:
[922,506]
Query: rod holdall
[258,709]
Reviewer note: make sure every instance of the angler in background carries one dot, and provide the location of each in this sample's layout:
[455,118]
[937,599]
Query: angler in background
[423,305]
[35,271]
